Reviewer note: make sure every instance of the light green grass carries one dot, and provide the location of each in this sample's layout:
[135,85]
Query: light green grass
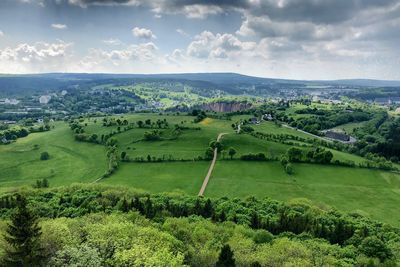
[349,127]
[161,177]
[69,161]
[370,192]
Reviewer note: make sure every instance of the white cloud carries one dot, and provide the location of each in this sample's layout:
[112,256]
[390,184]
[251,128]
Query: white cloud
[112,41]
[182,32]
[143,33]
[207,44]
[59,26]
[1,34]
[37,57]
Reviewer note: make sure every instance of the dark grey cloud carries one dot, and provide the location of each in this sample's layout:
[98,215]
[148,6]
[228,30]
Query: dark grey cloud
[315,11]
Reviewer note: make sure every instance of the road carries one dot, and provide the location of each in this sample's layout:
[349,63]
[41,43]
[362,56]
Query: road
[313,135]
[205,182]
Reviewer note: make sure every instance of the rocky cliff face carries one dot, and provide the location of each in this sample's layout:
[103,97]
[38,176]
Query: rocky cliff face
[226,106]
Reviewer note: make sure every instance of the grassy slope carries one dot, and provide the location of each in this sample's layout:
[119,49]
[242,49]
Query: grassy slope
[69,161]
[370,192]
[160,177]
[374,193]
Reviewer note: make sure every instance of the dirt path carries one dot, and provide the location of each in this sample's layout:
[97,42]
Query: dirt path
[205,182]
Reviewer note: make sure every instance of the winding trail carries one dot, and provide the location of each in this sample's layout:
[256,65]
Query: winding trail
[205,182]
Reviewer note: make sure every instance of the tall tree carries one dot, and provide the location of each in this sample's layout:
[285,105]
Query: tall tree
[232,152]
[225,258]
[23,235]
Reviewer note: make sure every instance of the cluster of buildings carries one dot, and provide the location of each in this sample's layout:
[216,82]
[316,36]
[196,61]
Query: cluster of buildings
[9,101]
[387,101]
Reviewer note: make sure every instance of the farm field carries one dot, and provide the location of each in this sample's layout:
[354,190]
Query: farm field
[184,177]
[369,192]
[69,161]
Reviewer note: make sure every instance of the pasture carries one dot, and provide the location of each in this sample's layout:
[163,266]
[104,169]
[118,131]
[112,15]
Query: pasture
[369,192]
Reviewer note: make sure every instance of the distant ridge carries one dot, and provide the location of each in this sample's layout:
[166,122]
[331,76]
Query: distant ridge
[218,78]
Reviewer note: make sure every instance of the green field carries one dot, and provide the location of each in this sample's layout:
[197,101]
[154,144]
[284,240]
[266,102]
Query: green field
[349,127]
[184,177]
[69,161]
[369,192]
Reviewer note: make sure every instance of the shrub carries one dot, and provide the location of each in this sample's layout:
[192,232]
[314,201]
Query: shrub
[44,156]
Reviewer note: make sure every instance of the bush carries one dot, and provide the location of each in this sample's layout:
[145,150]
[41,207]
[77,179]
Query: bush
[44,156]
[289,169]
[262,236]
[254,157]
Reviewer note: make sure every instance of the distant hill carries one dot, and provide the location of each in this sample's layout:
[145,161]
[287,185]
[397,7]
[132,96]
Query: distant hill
[229,82]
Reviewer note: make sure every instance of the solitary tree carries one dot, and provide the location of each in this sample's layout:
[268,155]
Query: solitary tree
[289,169]
[225,258]
[232,152]
[123,155]
[44,155]
[23,235]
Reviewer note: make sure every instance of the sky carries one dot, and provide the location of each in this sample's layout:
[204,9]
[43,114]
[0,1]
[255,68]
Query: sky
[294,39]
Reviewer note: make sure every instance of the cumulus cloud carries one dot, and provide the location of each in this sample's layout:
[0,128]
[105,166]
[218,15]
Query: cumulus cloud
[282,37]
[59,26]
[1,34]
[143,33]
[210,45]
[37,57]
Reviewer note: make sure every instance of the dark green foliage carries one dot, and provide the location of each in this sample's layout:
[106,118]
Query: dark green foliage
[200,115]
[44,183]
[375,248]
[231,152]
[254,157]
[44,155]
[154,135]
[263,236]
[246,129]
[23,235]
[289,168]
[226,257]
[209,154]
[294,154]
[319,155]
[269,217]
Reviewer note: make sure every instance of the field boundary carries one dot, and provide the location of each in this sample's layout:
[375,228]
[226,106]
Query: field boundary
[211,168]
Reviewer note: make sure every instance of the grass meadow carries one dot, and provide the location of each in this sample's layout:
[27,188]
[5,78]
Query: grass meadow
[370,192]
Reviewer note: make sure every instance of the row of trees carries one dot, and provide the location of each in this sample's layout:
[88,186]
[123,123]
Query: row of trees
[249,226]
[14,133]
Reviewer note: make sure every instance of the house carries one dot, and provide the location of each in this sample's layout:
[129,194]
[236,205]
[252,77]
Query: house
[44,99]
[337,136]
[382,101]
[9,122]
[267,117]
[254,120]
[395,100]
